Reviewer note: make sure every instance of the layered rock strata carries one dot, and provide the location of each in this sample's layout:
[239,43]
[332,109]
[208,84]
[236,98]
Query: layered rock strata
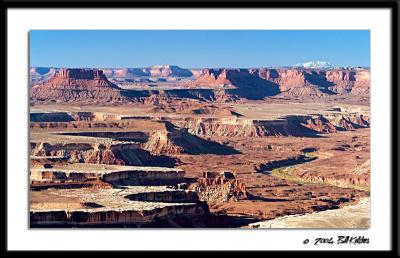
[208,85]
[310,125]
[114,207]
[217,188]
[98,153]
[77,85]
[128,175]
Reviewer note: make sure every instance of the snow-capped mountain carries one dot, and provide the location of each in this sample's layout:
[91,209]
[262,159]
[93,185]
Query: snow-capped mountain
[315,64]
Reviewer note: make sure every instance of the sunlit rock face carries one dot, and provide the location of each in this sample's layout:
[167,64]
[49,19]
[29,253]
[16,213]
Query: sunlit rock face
[77,84]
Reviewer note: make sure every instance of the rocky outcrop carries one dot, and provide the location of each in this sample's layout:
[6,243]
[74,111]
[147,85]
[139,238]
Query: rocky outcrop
[167,216]
[235,83]
[285,78]
[224,85]
[174,141]
[318,82]
[80,79]
[111,154]
[101,121]
[213,79]
[163,143]
[217,188]
[291,82]
[319,124]
[301,126]
[347,81]
[77,84]
[123,175]
[206,84]
[128,206]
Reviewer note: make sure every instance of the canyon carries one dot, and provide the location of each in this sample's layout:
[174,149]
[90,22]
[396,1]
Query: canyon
[165,146]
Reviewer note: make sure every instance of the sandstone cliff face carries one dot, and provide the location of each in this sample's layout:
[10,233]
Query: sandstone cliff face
[342,180]
[217,188]
[176,141]
[301,126]
[350,81]
[231,84]
[111,154]
[303,82]
[284,77]
[222,85]
[293,82]
[213,78]
[80,79]
[163,143]
[120,217]
[227,78]
[77,84]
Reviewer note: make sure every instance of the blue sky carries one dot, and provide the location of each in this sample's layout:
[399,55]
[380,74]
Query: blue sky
[197,48]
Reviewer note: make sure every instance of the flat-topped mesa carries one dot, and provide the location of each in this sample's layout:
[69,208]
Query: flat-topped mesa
[290,125]
[290,82]
[222,77]
[233,84]
[328,81]
[77,85]
[137,206]
[169,71]
[358,81]
[77,73]
[81,78]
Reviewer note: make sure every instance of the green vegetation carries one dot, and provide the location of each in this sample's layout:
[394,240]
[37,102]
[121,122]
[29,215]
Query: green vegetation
[285,173]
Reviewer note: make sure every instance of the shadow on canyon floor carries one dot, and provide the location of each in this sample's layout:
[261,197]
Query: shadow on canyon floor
[277,164]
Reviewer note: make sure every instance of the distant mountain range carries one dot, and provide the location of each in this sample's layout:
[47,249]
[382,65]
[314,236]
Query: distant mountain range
[315,65]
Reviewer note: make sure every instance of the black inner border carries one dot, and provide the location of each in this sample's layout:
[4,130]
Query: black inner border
[392,5]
